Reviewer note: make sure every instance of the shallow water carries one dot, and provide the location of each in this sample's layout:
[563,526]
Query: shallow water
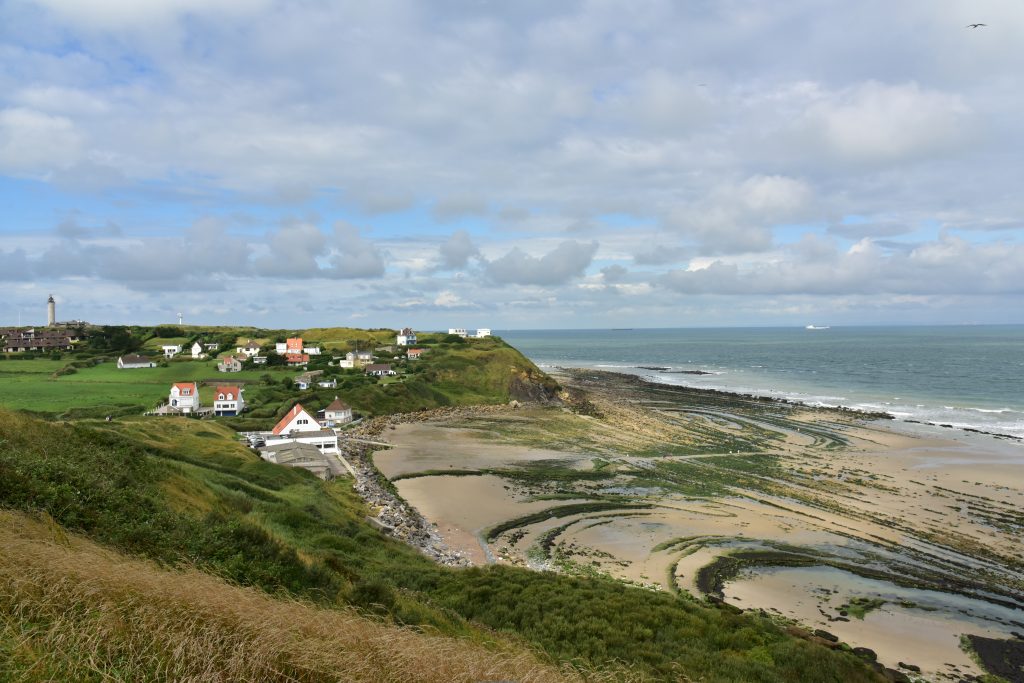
[926,634]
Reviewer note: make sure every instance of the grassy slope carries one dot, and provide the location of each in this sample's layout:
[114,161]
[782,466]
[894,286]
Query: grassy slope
[179,490]
[88,614]
[476,371]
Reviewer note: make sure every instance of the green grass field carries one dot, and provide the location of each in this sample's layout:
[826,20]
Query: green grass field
[31,385]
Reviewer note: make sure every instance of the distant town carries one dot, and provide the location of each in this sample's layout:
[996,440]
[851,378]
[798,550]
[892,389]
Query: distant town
[304,437]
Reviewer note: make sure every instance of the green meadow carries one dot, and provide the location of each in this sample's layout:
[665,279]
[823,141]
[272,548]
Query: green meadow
[32,384]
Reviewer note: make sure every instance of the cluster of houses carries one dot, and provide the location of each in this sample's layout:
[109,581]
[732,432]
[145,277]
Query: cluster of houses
[301,439]
[295,351]
[21,340]
[463,332]
[184,399]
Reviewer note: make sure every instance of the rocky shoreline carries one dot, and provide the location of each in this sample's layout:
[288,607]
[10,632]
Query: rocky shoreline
[393,515]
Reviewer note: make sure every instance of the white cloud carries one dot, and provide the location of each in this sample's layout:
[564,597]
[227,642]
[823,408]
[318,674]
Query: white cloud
[33,142]
[566,261]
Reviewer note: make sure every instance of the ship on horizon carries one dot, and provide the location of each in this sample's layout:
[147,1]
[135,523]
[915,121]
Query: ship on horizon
[817,327]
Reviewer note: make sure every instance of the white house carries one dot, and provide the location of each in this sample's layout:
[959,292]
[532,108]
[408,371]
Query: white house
[482,332]
[132,361]
[311,350]
[259,360]
[296,420]
[337,413]
[414,354]
[460,331]
[299,426]
[406,337]
[171,350]
[281,348]
[379,370]
[328,383]
[249,350]
[228,400]
[184,396]
[197,351]
[211,346]
[346,363]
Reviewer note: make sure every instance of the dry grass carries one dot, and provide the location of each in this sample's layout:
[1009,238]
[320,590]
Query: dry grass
[71,610]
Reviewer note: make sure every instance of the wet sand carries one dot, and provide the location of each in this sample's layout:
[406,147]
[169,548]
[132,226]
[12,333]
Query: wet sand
[887,494]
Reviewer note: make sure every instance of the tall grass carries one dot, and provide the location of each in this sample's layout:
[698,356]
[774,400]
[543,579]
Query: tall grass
[70,610]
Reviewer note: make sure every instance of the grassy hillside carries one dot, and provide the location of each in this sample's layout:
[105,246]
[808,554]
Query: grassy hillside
[184,494]
[85,613]
[450,373]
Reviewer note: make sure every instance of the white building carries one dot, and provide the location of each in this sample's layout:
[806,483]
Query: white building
[311,350]
[406,337]
[132,361]
[228,400]
[460,331]
[197,351]
[249,350]
[184,396]
[281,348]
[299,426]
[337,413]
[171,350]
[482,332]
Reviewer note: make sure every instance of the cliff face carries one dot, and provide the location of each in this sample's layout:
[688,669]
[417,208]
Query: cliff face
[532,385]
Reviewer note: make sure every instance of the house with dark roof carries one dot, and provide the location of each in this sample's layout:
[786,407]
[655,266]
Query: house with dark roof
[379,370]
[133,361]
[337,413]
[406,337]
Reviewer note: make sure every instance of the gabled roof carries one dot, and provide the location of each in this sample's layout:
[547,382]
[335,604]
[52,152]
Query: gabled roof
[414,352]
[228,358]
[296,410]
[406,331]
[297,358]
[133,358]
[377,367]
[252,345]
[229,389]
[338,404]
[183,386]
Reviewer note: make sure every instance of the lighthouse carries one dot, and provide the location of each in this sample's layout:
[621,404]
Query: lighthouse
[51,311]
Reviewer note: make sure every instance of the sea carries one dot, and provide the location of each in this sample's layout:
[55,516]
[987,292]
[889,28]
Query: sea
[968,377]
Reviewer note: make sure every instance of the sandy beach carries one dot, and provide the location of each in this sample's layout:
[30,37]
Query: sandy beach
[782,508]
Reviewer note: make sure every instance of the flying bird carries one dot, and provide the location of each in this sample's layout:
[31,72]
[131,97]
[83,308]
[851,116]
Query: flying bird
[975,25]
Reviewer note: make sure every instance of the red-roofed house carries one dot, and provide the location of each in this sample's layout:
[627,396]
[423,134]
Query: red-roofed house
[227,400]
[297,358]
[296,420]
[300,427]
[184,396]
[414,354]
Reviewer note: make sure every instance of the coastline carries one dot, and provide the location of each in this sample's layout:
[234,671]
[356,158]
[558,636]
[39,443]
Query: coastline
[653,483]
[782,397]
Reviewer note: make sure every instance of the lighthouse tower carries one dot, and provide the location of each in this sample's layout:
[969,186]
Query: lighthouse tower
[51,311]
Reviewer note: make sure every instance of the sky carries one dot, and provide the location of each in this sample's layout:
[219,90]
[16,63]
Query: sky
[512,165]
